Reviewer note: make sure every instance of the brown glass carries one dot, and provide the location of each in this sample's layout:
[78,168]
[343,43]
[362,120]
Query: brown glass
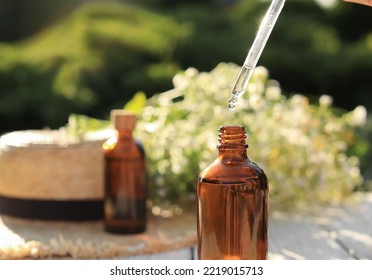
[232,212]
[125,185]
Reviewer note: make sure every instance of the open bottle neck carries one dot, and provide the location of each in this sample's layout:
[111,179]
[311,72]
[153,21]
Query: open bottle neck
[232,144]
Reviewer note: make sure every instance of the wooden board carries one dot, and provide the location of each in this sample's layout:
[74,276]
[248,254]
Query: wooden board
[338,232]
[351,226]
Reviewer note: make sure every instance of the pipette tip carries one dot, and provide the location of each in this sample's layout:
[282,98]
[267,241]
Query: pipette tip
[232,102]
[255,51]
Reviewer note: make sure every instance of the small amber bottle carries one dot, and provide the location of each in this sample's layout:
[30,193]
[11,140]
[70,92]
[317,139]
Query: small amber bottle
[125,178]
[232,212]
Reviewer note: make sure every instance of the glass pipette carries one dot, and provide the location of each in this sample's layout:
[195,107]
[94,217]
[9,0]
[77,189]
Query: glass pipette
[255,51]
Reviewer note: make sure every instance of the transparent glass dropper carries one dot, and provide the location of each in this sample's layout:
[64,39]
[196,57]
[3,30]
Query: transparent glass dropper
[255,51]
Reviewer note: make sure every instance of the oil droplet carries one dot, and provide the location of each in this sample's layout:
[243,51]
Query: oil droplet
[232,102]
[234,98]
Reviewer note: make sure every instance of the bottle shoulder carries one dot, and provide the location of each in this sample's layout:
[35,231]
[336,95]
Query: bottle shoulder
[128,148]
[237,172]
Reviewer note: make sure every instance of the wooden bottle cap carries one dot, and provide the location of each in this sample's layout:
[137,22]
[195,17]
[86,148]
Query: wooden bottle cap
[123,119]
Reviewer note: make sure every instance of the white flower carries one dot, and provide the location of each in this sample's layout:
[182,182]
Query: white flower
[354,172]
[325,100]
[289,139]
[255,88]
[179,81]
[299,99]
[359,116]
[260,72]
[256,102]
[191,72]
[273,93]
[332,127]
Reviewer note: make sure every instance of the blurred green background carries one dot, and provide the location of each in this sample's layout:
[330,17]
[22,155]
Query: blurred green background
[87,57]
[79,56]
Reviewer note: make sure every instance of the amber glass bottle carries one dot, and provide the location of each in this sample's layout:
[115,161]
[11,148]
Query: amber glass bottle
[232,218]
[125,178]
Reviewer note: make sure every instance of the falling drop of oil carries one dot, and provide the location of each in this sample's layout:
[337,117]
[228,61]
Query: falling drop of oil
[232,102]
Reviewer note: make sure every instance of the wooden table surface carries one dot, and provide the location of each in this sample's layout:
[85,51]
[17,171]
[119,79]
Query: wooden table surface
[340,232]
[335,232]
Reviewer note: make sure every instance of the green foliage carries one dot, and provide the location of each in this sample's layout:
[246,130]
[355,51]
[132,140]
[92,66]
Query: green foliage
[303,148]
[137,103]
[364,150]
[215,37]
[79,126]
[316,51]
[99,56]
